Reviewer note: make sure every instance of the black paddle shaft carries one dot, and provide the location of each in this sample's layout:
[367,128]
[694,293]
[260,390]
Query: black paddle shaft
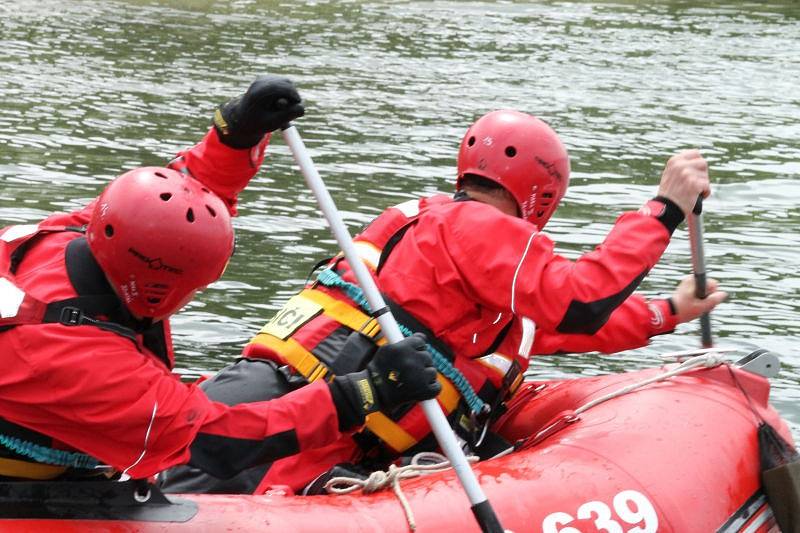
[699,267]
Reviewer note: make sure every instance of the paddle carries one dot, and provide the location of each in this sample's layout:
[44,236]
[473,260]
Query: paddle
[481,508]
[699,267]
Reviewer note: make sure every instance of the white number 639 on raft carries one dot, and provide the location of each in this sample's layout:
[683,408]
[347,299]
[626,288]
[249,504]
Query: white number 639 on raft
[630,506]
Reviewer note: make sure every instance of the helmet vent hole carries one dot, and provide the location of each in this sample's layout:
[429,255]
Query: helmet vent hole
[190,215]
[211,210]
[511,151]
[471,141]
[109,230]
[154,301]
[161,175]
[165,196]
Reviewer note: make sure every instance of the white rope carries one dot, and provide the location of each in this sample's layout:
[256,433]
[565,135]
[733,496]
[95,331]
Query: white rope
[378,480]
[709,359]
[683,355]
[436,462]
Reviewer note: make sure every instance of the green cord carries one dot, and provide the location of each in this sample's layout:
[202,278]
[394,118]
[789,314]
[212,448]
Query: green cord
[51,456]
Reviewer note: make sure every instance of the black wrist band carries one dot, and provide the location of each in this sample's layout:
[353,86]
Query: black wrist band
[672,309]
[347,408]
[671,216]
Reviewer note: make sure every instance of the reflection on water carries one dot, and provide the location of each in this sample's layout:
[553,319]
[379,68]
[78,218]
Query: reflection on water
[91,88]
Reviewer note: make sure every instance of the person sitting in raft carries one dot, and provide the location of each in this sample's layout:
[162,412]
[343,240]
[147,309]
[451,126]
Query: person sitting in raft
[477,275]
[85,336]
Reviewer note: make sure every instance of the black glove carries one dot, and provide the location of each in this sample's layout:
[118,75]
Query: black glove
[399,373]
[269,103]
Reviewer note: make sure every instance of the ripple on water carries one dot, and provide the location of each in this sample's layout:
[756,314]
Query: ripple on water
[93,88]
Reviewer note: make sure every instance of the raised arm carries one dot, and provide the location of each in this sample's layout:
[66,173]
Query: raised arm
[232,151]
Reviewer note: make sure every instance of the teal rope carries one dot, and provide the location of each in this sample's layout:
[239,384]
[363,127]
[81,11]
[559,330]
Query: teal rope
[453,374]
[51,456]
[329,278]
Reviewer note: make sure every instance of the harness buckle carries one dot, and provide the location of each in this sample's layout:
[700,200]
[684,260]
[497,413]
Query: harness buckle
[480,423]
[70,316]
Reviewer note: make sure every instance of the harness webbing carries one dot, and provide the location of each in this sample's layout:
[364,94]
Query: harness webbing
[329,278]
[95,297]
[51,456]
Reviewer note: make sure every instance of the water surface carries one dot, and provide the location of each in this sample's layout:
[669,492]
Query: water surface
[92,88]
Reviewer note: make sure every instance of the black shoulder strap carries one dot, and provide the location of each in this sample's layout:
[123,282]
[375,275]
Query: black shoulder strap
[500,336]
[155,340]
[96,298]
[22,249]
[84,273]
[317,266]
[406,318]
[392,242]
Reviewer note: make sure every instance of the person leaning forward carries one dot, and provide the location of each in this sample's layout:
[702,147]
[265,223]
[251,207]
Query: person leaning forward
[477,275]
[85,339]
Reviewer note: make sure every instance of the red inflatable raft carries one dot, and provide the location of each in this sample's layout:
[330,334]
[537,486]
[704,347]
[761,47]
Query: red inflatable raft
[678,455]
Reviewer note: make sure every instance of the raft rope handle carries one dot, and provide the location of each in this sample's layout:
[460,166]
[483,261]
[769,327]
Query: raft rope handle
[708,360]
[711,358]
[51,456]
[329,278]
[379,479]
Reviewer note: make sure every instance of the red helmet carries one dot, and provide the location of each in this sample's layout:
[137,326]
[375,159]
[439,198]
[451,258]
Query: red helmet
[159,237]
[521,153]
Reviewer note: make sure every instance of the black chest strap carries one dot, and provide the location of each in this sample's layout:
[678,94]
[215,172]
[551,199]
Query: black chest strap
[95,299]
[407,318]
[19,252]
[95,296]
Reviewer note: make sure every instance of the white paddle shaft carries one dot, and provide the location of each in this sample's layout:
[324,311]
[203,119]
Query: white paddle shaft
[439,424]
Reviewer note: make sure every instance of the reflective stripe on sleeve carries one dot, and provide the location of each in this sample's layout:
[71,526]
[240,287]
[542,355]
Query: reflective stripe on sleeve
[15,232]
[528,334]
[409,208]
[368,253]
[11,298]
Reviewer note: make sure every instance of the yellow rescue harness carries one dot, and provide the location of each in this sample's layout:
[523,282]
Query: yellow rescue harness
[29,469]
[310,303]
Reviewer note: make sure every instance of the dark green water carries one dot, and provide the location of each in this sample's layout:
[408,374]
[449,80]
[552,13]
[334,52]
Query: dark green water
[91,88]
